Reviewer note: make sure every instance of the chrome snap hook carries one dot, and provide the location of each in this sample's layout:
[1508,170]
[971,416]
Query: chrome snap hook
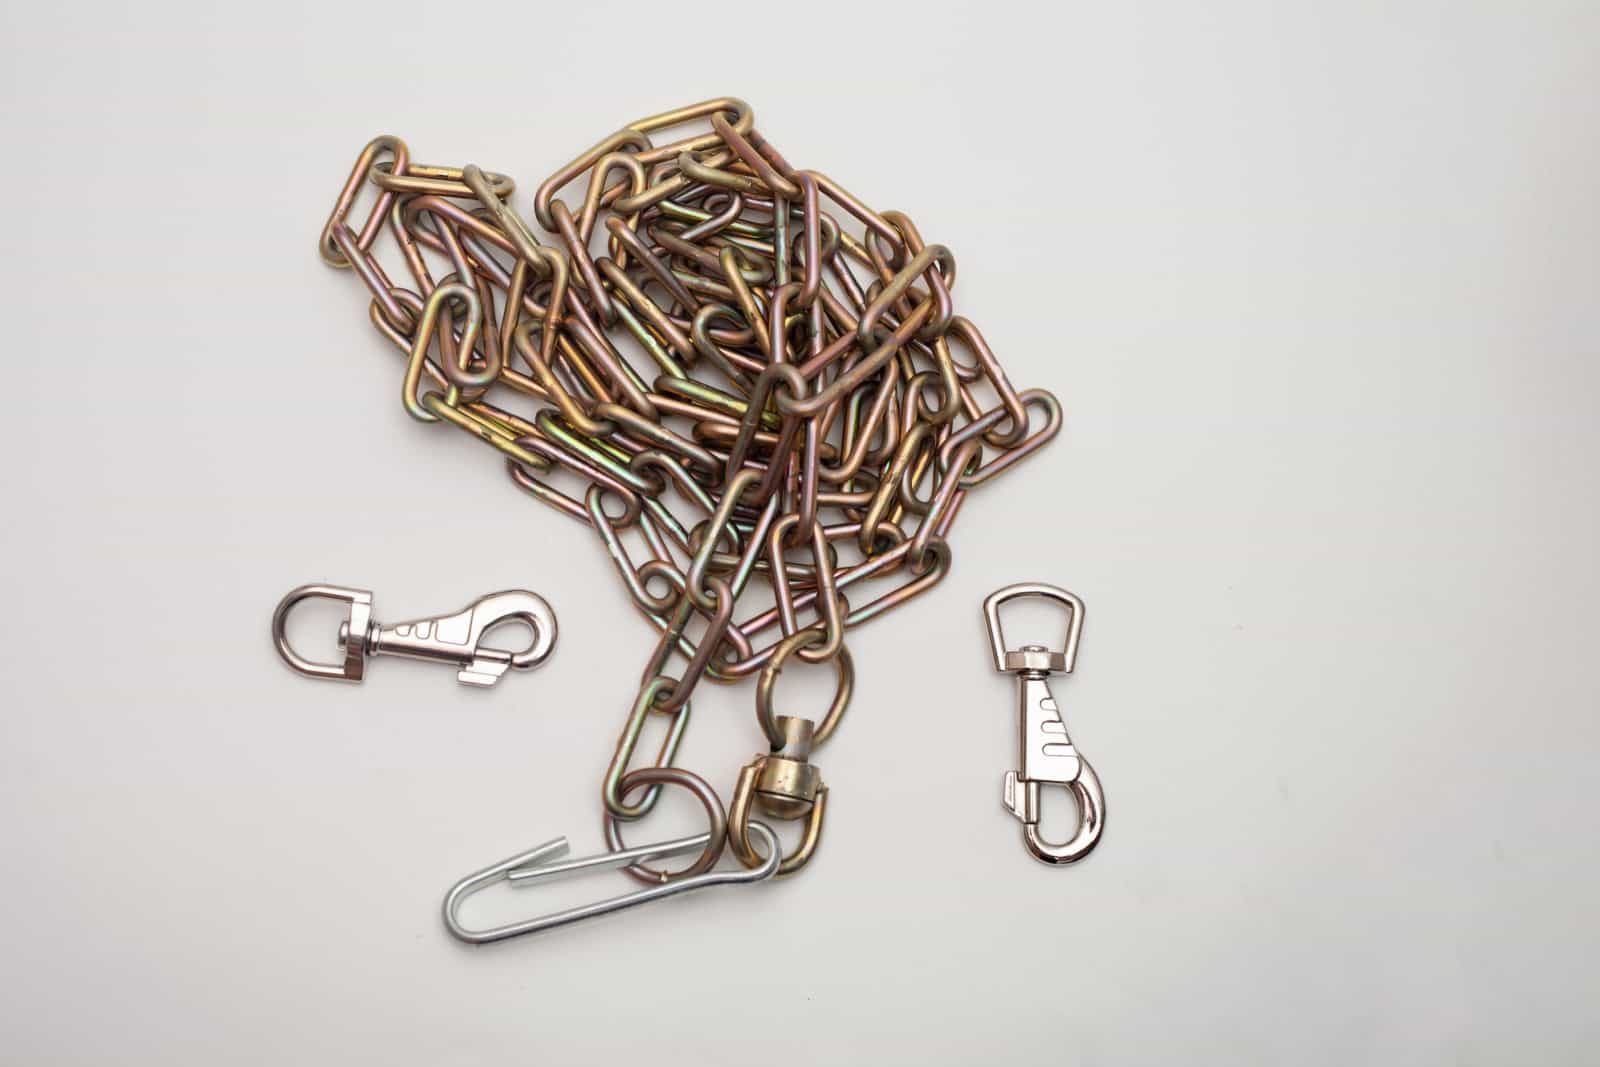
[1048,756]
[455,638]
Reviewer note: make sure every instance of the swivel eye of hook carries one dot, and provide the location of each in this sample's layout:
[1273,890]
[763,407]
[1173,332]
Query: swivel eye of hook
[1048,756]
[456,638]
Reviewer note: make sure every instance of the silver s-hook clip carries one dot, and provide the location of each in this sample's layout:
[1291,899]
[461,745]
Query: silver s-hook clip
[456,638]
[1048,756]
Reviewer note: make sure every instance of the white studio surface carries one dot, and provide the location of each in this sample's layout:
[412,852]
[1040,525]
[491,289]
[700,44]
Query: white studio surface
[1316,285]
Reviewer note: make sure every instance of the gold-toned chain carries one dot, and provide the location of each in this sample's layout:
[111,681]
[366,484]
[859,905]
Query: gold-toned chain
[752,395]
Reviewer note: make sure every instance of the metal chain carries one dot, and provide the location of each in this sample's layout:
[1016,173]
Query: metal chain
[753,395]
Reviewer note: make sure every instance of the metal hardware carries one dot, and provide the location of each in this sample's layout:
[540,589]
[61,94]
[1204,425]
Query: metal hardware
[525,868]
[788,782]
[456,638]
[747,379]
[1048,756]
[784,783]
[716,821]
[784,788]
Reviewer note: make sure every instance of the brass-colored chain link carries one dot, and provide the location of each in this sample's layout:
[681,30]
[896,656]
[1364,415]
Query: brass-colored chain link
[753,391]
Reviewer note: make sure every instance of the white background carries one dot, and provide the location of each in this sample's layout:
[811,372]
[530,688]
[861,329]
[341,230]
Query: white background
[1316,285]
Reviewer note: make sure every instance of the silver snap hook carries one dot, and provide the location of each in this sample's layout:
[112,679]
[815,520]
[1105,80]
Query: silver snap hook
[455,638]
[1048,756]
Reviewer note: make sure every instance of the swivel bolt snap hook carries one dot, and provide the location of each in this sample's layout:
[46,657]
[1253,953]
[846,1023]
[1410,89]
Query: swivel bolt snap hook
[1048,756]
[456,638]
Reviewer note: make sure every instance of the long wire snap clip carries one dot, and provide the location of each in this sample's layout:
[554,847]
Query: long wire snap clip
[1048,756]
[543,863]
[456,638]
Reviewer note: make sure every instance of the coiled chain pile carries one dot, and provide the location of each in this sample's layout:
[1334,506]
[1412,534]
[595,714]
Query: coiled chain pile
[753,396]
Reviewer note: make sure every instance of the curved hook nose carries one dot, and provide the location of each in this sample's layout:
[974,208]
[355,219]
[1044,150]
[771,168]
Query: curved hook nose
[517,605]
[1091,803]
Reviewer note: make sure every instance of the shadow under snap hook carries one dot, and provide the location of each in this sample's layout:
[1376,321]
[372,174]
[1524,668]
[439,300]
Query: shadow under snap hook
[456,638]
[1048,756]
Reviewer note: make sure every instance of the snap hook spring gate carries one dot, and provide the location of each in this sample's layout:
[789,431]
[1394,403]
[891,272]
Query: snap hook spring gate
[526,868]
[456,638]
[1048,755]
